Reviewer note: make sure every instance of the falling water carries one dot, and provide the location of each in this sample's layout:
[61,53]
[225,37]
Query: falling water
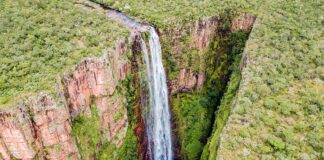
[158,118]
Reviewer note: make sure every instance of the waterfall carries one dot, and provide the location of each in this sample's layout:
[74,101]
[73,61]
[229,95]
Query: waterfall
[158,116]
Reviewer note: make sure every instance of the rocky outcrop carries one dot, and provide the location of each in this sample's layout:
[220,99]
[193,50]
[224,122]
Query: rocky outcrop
[95,78]
[3,151]
[243,22]
[40,126]
[203,32]
[52,127]
[141,97]
[187,81]
[17,135]
[113,119]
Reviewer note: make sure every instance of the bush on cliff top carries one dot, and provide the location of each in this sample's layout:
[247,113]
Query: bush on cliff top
[40,39]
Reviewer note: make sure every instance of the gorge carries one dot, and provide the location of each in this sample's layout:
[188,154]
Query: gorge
[161,79]
[93,113]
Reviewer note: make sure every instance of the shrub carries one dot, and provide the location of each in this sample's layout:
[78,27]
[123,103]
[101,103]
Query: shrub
[127,151]
[270,103]
[277,143]
[193,149]
[194,120]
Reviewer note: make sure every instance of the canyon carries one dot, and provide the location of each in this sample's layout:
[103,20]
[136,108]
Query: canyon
[158,79]
[41,124]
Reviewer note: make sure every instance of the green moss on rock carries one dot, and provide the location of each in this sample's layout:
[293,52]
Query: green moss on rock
[86,130]
[127,151]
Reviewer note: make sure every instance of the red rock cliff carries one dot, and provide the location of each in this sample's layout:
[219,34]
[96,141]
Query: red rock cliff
[202,33]
[40,126]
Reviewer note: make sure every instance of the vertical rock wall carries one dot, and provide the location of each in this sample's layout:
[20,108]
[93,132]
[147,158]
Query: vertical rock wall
[200,34]
[52,127]
[17,135]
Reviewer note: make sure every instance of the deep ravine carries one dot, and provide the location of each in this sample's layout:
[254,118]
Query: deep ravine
[154,95]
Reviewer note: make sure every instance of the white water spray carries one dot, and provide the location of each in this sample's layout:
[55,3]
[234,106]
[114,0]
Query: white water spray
[158,118]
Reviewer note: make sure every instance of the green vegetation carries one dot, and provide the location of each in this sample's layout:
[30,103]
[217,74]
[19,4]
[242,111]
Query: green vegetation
[223,111]
[193,121]
[280,83]
[278,111]
[89,136]
[86,129]
[127,151]
[92,144]
[228,48]
[41,39]
[176,13]
[274,108]
[194,111]
[129,90]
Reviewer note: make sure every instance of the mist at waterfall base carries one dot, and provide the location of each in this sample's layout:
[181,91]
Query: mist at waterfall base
[158,125]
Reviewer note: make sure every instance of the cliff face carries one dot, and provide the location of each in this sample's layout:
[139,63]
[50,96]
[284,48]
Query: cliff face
[197,37]
[243,22]
[40,126]
[94,81]
[16,140]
